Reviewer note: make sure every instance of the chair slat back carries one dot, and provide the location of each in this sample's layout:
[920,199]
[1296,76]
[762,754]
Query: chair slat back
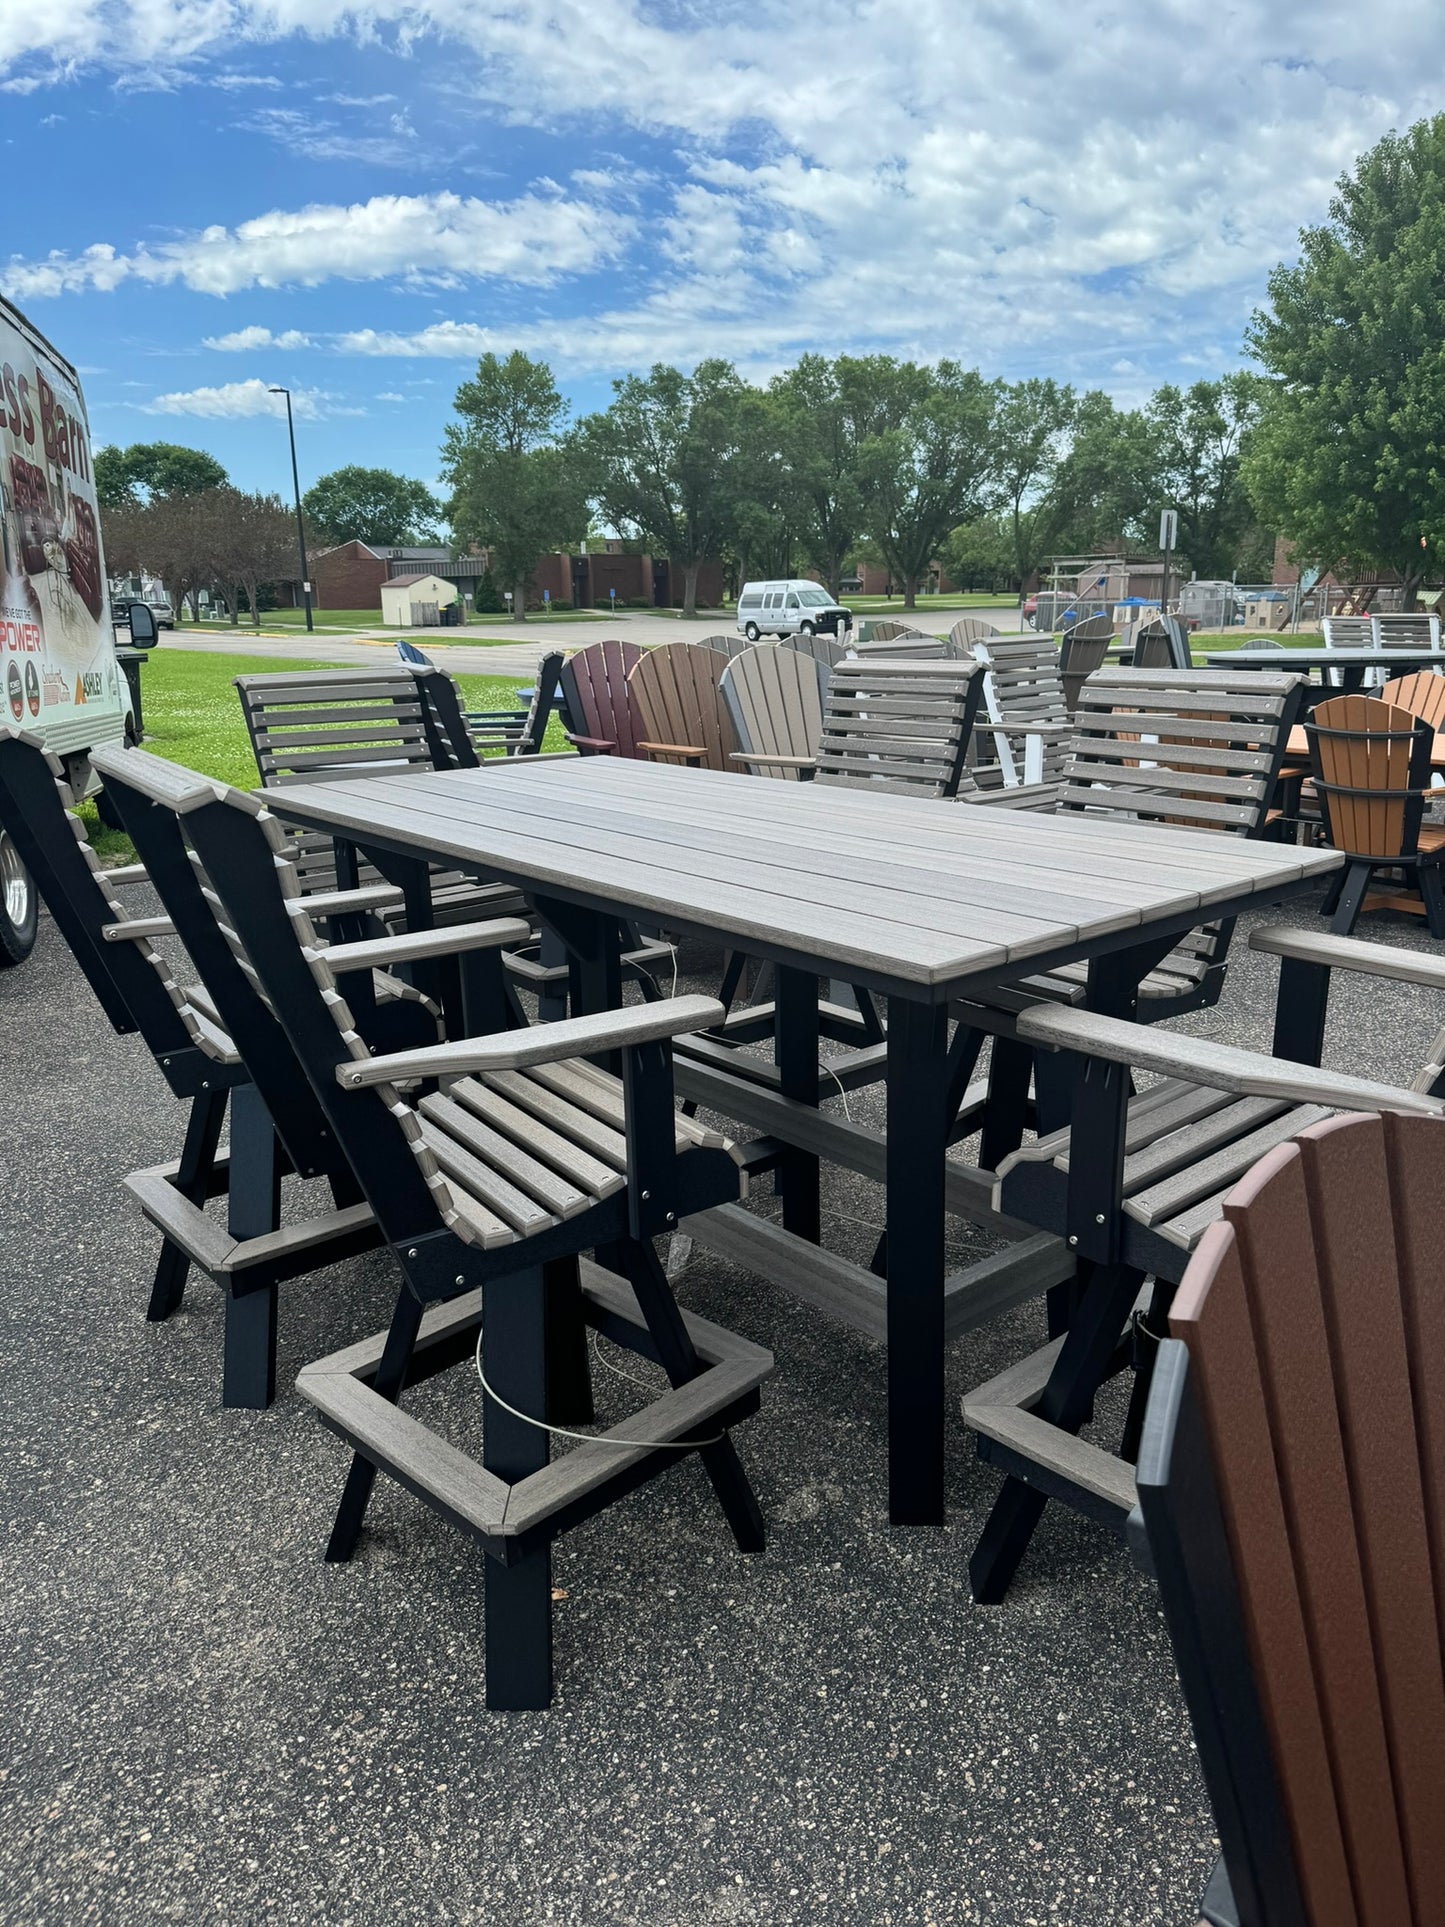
[824,650]
[1422,693]
[1201,750]
[131,980]
[594,689]
[1348,632]
[1372,771]
[775,700]
[1023,692]
[971,629]
[726,645]
[883,629]
[1079,657]
[675,692]
[907,645]
[1415,630]
[314,726]
[901,726]
[1310,1318]
[150,795]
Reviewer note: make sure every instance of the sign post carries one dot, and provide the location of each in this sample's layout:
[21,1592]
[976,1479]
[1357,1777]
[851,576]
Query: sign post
[1168,536]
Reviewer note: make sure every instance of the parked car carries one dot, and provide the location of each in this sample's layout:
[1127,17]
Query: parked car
[121,606]
[62,681]
[792,607]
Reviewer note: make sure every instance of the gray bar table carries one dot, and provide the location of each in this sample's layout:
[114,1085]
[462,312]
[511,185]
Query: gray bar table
[921,902]
[1351,663]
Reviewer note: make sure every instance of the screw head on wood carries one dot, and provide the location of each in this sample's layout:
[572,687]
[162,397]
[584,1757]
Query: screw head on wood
[412,1252]
[1073,1241]
[646,1195]
[1098,1217]
[459,1280]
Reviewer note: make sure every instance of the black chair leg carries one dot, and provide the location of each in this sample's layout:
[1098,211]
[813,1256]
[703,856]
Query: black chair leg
[248,1372]
[518,1592]
[248,1369]
[1432,892]
[198,1154]
[569,1372]
[389,1382]
[681,1363]
[1352,895]
[737,963]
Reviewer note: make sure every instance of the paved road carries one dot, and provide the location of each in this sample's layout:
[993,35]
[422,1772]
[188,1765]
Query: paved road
[510,654]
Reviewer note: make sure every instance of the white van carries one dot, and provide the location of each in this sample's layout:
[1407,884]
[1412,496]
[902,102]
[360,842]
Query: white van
[792,608]
[58,668]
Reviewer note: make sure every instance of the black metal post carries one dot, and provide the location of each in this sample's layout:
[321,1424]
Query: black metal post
[296,491]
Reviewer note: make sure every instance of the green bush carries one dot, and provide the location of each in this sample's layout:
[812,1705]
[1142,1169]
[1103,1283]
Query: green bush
[487,597]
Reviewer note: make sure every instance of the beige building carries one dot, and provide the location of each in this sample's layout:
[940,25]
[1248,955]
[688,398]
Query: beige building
[416,601]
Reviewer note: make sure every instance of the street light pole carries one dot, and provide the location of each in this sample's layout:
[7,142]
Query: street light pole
[296,491]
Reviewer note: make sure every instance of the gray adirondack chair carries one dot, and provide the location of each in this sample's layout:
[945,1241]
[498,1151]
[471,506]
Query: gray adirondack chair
[775,699]
[1024,715]
[971,629]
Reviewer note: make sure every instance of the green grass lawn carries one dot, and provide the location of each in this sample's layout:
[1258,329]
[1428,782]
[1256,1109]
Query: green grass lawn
[343,621]
[193,717]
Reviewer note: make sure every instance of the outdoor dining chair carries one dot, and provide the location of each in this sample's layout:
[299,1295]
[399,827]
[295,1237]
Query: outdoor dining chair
[1134,1179]
[491,1162]
[205,1038]
[519,731]
[824,650]
[1082,650]
[1422,693]
[1201,751]
[1025,716]
[1292,1510]
[676,696]
[971,629]
[1346,632]
[1372,770]
[594,693]
[890,724]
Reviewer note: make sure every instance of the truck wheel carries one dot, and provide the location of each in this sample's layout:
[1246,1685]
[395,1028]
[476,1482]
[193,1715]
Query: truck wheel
[19,906]
[752,632]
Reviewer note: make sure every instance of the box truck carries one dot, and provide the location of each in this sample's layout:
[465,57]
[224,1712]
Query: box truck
[60,679]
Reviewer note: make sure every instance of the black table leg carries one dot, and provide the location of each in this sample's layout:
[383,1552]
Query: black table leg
[919,1120]
[519,1593]
[796,1050]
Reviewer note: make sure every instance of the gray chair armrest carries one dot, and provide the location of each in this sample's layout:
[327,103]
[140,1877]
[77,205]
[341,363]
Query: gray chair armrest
[1351,953]
[385,953]
[138,929]
[1022,796]
[772,762]
[515,1050]
[1219,1066]
[126,873]
[338,903]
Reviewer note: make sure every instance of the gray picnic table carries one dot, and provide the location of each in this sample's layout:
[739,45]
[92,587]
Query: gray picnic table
[924,903]
[1352,664]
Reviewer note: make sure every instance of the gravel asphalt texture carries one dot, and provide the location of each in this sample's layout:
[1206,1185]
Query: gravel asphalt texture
[204,1722]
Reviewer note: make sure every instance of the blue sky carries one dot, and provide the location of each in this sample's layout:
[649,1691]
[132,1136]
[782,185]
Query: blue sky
[209,196]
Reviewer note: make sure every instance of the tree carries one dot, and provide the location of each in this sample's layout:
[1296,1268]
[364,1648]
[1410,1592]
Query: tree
[1347,458]
[1108,481]
[928,473]
[487,598]
[819,434]
[981,554]
[518,483]
[664,462]
[220,537]
[372,505]
[148,471]
[767,509]
[1028,442]
[1201,437]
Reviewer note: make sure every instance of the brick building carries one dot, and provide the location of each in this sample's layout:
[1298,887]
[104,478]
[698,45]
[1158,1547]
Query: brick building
[350,576]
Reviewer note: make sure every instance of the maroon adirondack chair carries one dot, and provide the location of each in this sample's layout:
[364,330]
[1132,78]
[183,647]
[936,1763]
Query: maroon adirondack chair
[594,692]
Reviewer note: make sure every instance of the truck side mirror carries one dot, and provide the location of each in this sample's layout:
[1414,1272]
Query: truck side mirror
[143,631]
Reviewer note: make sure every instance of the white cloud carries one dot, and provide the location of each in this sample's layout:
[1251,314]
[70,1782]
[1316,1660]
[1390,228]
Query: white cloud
[238,83]
[388,395]
[532,241]
[234,400]
[251,340]
[975,177]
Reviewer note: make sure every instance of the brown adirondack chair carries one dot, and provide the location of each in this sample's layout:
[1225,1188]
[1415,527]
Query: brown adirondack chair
[1292,1506]
[1372,775]
[1423,694]
[681,717]
[594,694]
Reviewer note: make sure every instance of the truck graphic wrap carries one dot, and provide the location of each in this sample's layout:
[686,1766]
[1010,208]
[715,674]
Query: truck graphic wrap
[57,655]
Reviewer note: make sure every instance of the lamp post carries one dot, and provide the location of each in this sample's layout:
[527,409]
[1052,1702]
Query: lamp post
[296,491]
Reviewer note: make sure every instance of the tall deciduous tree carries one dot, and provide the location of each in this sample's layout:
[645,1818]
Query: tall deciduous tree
[930,471]
[373,505]
[1201,435]
[819,434]
[664,460]
[150,471]
[1348,460]
[1029,440]
[518,481]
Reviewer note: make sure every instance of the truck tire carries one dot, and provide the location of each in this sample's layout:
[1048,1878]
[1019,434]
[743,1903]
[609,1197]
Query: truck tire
[19,906]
